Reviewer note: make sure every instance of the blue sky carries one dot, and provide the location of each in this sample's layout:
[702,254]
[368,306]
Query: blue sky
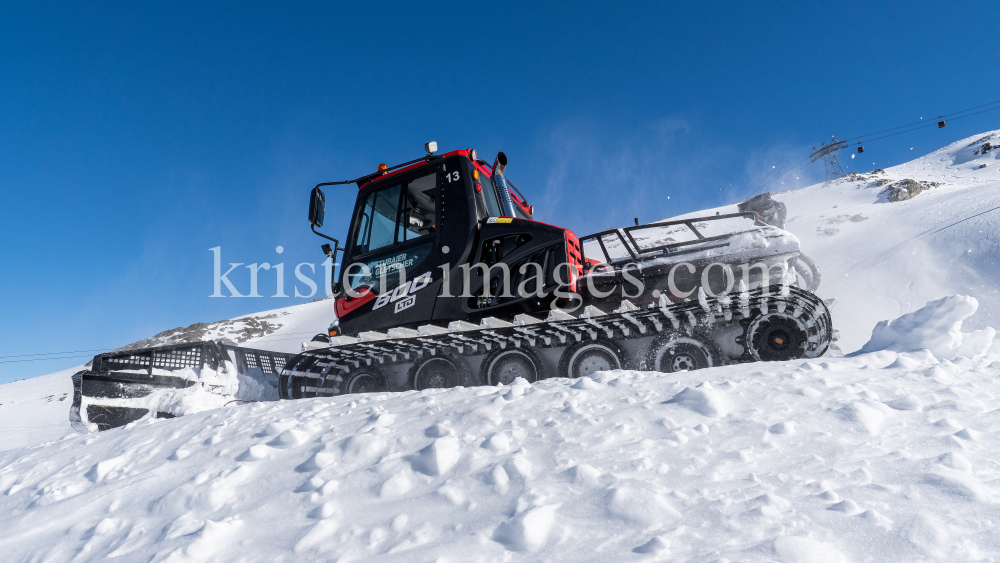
[135,136]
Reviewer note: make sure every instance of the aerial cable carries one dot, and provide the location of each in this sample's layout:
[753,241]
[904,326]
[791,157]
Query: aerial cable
[927,124]
[924,123]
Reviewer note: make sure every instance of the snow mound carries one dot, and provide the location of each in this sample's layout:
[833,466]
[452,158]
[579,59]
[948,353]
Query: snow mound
[703,399]
[528,532]
[936,327]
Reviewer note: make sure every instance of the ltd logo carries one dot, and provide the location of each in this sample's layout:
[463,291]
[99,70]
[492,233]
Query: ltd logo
[405,303]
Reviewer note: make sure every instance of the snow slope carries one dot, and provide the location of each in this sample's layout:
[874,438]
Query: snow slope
[882,457]
[34,411]
[278,330]
[881,259]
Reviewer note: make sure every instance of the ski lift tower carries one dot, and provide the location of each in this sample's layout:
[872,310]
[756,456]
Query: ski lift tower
[829,155]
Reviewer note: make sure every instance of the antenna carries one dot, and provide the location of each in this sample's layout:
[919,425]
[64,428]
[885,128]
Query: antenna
[829,155]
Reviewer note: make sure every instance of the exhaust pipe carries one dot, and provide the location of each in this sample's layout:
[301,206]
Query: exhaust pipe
[506,202]
[500,164]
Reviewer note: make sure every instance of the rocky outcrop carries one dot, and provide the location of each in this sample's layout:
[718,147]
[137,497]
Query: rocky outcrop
[233,331]
[906,189]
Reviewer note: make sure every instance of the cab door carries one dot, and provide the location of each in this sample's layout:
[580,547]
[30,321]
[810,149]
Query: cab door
[390,261]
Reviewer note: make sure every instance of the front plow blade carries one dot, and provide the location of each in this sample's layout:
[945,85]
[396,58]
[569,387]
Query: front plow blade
[170,381]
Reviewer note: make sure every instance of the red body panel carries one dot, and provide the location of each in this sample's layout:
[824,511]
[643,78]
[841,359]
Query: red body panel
[344,306]
[574,256]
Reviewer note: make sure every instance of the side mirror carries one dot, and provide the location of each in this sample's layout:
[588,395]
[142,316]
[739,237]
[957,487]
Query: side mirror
[317,207]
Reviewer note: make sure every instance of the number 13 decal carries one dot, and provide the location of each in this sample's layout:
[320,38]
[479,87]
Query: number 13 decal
[451,176]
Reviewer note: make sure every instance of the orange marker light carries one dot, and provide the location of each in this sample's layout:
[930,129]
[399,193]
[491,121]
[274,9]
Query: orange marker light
[382,167]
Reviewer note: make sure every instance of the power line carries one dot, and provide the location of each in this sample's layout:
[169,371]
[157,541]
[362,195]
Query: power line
[44,359]
[52,353]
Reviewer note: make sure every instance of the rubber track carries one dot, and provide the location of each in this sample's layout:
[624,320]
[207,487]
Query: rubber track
[316,373]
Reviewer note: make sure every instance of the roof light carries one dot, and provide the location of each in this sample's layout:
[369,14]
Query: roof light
[473,155]
[382,167]
[431,147]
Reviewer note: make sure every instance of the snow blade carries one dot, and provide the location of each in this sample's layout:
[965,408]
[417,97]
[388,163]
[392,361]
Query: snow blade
[166,381]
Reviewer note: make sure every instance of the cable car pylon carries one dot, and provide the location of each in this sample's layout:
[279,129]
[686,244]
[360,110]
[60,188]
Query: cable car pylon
[829,155]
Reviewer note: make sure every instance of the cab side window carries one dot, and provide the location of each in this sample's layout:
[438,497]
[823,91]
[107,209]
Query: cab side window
[418,208]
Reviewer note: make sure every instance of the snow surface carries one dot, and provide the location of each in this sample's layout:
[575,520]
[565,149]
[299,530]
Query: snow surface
[881,457]
[886,455]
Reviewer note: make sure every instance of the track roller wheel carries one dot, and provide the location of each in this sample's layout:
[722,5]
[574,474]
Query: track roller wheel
[585,358]
[679,352]
[503,366]
[437,372]
[366,379]
[776,337]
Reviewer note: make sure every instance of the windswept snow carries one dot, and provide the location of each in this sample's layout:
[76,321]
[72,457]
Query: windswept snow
[885,456]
